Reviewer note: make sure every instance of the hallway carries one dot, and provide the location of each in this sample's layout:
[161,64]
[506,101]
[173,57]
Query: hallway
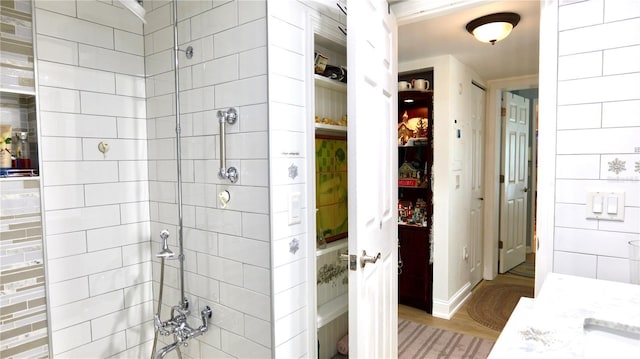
[461,321]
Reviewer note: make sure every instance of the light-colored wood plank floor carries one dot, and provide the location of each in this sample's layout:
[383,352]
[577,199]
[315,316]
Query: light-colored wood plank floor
[461,321]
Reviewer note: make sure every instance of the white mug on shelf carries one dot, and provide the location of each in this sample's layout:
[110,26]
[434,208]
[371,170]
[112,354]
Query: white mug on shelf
[420,84]
[404,85]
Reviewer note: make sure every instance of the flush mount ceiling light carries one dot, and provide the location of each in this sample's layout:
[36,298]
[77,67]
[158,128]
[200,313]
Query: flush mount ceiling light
[494,27]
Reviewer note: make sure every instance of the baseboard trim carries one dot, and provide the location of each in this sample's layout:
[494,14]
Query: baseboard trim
[446,309]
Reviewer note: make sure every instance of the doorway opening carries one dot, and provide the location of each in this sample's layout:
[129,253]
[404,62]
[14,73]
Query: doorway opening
[518,173]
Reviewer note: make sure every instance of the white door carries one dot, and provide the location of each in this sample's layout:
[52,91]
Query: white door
[474,256]
[513,204]
[372,146]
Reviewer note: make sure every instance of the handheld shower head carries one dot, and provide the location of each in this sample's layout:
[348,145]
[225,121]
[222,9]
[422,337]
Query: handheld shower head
[135,6]
[165,252]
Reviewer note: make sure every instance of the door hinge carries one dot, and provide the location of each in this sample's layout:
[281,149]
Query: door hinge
[500,244]
[501,178]
[503,111]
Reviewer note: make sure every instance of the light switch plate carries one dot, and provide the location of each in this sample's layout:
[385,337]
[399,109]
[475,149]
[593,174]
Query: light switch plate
[295,207]
[608,206]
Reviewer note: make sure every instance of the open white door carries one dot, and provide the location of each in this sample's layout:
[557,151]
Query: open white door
[372,148]
[474,257]
[513,204]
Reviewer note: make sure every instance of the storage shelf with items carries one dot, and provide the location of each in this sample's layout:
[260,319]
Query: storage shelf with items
[18,134]
[330,125]
[330,138]
[332,282]
[415,208]
[330,88]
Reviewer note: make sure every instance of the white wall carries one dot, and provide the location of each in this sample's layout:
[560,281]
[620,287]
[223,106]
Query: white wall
[90,61]
[452,111]
[596,124]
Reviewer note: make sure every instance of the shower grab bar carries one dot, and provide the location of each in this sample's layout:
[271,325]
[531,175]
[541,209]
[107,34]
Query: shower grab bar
[229,116]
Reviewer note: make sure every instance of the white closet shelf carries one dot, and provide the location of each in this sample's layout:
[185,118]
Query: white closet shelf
[332,309]
[17,92]
[324,129]
[325,82]
[333,247]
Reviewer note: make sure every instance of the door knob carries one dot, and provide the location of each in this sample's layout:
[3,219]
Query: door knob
[364,259]
[525,189]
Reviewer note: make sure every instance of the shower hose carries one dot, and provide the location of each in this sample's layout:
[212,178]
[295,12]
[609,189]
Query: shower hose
[155,336]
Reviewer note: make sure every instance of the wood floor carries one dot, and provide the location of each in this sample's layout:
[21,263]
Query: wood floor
[461,321]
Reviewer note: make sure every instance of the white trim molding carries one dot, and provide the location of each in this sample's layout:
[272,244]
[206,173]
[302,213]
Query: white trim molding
[446,309]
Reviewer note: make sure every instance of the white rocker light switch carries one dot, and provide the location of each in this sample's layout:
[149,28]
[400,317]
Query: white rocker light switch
[597,204]
[612,205]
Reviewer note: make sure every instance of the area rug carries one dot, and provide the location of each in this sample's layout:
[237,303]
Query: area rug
[492,304]
[416,340]
[526,269]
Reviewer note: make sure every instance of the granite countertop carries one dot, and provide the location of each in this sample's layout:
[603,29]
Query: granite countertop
[553,324]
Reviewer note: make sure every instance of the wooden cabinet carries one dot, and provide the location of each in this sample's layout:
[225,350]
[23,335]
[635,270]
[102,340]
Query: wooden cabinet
[415,207]
[415,281]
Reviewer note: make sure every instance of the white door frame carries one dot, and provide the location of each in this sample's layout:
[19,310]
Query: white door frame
[493,135]
[547,112]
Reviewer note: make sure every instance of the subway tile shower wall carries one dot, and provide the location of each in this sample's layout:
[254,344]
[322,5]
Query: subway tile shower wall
[104,78]
[90,58]
[227,250]
[597,136]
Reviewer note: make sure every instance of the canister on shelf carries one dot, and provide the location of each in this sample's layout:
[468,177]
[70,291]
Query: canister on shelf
[5,146]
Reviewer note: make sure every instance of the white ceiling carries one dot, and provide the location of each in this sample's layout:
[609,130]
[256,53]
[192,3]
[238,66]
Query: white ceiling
[430,28]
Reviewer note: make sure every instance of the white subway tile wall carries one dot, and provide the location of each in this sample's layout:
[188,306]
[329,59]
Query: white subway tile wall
[597,135]
[91,90]
[226,266]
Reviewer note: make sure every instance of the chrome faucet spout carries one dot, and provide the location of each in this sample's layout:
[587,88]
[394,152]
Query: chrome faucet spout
[164,351]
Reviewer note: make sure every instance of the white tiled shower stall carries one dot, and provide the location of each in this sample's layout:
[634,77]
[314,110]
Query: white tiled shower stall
[103,77]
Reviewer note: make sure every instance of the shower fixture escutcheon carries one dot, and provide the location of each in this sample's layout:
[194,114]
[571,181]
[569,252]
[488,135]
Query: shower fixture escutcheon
[189,52]
[229,116]
[165,252]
